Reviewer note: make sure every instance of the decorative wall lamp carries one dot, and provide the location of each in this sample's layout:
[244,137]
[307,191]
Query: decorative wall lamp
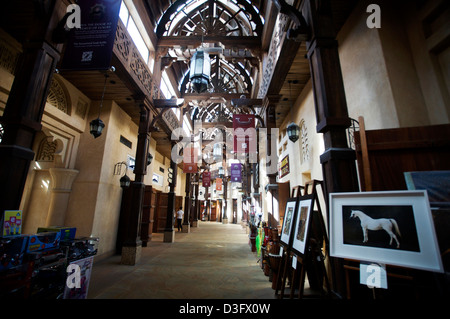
[200,71]
[124,180]
[149,159]
[293,131]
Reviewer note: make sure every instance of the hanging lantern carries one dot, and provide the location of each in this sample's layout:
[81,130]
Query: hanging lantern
[96,126]
[200,71]
[293,131]
[125,181]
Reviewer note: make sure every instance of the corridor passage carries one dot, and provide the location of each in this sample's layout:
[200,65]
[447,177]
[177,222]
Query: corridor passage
[213,261]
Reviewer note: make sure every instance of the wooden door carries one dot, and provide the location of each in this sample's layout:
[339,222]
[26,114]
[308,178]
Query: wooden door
[148,214]
[161,212]
[213,211]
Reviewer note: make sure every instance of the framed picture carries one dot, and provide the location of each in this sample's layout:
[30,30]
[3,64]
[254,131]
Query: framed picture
[289,219]
[301,228]
[394,228]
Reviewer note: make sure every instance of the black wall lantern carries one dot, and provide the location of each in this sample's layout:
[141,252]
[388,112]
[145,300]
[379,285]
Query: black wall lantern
[124,180]
[200,71]
[149,159]
[293,131]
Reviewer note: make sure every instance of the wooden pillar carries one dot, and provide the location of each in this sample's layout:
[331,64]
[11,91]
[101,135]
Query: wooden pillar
[132,245]
[338,160]
[26,102]
[187,204]
[169,233]
[196,207]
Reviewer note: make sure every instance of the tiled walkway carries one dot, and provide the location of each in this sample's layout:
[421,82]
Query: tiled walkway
[213,261]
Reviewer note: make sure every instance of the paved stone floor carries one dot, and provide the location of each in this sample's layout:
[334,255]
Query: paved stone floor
[213,261]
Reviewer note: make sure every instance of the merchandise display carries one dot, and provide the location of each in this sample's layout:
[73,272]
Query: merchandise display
[34,266]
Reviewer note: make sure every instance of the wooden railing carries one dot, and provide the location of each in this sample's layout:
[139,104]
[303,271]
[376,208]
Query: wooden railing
[128,54]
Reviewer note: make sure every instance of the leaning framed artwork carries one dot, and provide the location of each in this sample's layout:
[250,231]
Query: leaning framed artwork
[394,228]
[300,231]
[289,218]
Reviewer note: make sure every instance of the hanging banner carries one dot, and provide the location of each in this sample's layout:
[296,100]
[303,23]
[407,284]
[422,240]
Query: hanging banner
[236,173]
[206,179]
[244,133]
[190,157]
[218,184]
[90,46]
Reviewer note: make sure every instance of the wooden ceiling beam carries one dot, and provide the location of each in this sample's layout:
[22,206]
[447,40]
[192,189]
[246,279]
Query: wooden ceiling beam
[248,42]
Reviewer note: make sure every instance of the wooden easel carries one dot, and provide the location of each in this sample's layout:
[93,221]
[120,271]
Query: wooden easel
[312,249]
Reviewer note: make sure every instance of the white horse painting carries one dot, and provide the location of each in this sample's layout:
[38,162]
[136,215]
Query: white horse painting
[368,223]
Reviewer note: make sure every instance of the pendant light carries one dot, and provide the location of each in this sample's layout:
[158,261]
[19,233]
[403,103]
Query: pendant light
[293,131]
[97,125]
[200,71]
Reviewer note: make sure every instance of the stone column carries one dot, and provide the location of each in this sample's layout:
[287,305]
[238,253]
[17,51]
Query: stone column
[62,179]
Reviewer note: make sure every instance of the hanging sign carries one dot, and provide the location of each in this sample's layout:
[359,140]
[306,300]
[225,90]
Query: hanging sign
[190,160]
[244,133]
[206,179]
[236,172]
[90,46]
[218,184]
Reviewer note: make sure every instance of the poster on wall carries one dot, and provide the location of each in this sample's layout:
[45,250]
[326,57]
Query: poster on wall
[236,172]
[12,223]
[90,46]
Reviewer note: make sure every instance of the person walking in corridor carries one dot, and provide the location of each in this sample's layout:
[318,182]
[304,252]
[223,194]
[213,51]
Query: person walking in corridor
[180,214]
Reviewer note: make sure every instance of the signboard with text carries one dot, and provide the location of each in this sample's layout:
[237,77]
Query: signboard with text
[90,46]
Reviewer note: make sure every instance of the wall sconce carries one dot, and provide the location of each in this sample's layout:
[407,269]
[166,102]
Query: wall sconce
[149,159]
[124,180]
[293,131]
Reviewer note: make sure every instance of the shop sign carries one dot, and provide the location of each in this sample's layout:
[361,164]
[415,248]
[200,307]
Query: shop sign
[190,160]
[284,166]
[206,179]
[236,172]
[244,133]
[218,184]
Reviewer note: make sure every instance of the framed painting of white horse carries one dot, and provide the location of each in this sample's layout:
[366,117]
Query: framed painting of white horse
[394,228]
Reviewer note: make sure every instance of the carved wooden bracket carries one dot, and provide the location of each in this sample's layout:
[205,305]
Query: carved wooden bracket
[302,31]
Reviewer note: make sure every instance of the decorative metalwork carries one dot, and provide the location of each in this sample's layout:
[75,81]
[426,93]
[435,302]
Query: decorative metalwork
[210,17]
